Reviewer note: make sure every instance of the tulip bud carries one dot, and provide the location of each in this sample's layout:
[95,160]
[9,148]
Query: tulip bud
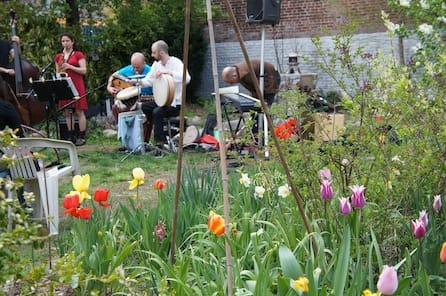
[388,281]
[443,253]
[326,189]
[344,206]
[418,228]
[437,203]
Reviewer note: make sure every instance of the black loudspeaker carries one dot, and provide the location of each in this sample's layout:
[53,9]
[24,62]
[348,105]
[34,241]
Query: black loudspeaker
[263,11]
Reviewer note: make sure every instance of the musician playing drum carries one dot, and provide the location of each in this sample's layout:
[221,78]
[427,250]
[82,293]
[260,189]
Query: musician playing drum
[169,71]
[128,76]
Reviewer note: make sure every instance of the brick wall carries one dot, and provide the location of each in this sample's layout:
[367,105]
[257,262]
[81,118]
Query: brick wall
[301,18]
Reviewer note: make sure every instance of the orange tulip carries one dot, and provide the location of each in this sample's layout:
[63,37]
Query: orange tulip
[443,253]
[216,223]
[160,184]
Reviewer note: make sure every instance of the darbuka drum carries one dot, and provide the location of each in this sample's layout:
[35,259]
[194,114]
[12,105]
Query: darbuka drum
[129,96]
[130,130]
[163,90]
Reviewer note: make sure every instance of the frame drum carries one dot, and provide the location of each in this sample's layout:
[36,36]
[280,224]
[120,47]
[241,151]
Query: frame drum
[190,135]
[163,90]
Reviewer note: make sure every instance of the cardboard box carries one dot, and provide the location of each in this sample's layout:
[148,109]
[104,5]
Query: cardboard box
[328,126]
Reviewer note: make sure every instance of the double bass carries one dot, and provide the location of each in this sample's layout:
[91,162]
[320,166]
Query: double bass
[31,110]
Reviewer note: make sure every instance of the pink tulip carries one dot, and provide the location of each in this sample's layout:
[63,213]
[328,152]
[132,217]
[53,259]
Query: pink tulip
[418,228]
[344,206]
[423,218]
[358,198]
[437,204]
[388,281]
[325,174]
[326,190]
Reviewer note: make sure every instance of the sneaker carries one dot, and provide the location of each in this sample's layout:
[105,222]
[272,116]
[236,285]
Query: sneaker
[158,153]
[122,149]
[80,142]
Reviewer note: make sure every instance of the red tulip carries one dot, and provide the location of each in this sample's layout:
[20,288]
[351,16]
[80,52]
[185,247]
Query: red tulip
[84,213]
[71,203]
[160,184]
[101,196]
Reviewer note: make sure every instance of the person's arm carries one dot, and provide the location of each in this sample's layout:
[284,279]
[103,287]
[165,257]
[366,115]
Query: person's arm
[177,72]
[82,69]
[110,88]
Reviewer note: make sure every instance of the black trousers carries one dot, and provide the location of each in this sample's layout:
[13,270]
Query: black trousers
[155,115]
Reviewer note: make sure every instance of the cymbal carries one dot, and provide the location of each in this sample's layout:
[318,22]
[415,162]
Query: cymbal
[136,76]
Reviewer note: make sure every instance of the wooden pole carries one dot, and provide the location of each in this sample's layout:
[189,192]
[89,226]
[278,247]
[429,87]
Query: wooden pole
[297,196]
[222,149]
[180,145]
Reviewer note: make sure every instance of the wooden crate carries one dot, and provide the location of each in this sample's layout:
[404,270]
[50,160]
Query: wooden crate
[328,126]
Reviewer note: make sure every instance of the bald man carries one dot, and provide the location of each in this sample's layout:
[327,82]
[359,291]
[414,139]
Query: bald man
[137,68]
[239,73]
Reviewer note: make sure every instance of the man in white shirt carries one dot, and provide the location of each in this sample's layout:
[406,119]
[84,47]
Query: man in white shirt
[164,64]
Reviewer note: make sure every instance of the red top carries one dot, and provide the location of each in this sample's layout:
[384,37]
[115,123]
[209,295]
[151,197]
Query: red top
[78,80]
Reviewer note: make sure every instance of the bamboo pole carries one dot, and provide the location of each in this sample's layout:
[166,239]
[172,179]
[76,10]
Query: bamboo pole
[297,196]
[222,149]
[180,145]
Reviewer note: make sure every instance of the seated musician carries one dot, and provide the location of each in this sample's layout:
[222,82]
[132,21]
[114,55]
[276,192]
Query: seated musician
[164,64]
[239,73]
[125,77]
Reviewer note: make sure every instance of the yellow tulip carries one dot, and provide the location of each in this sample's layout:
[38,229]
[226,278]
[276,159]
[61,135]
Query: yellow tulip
[138,178]
[81,185]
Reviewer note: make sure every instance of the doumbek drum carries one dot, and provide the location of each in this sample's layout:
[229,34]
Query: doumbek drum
[131,131]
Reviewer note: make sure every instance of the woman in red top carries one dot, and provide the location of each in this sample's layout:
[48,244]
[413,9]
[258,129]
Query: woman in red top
[72,63]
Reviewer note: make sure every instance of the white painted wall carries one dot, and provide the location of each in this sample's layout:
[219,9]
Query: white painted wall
[276,52]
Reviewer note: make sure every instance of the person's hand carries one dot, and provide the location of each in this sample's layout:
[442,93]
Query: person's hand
[7,71]
[113,90]
[16,39]
[64,67]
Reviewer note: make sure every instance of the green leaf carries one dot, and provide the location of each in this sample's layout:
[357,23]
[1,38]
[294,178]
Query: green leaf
[289,264]
[342,264]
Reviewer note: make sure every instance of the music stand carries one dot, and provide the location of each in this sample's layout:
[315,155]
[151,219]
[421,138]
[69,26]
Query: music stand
[52,91]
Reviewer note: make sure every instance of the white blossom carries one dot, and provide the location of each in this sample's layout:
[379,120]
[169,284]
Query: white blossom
[284,190]
[425,29]
[259,191]
[424,4]
[245,181]
[405,3]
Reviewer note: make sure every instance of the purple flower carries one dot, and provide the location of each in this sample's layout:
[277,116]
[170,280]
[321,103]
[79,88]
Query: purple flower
[437,203]
[423,218]
[344,206]
[160,230]
[358,198]
[387,281]
[418,228]
[325,174]
[326,190]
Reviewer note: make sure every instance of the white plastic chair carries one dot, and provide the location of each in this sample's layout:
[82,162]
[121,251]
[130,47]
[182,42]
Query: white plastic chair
[43,182]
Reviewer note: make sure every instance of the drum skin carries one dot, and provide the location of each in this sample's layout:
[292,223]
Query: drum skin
[163,90]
